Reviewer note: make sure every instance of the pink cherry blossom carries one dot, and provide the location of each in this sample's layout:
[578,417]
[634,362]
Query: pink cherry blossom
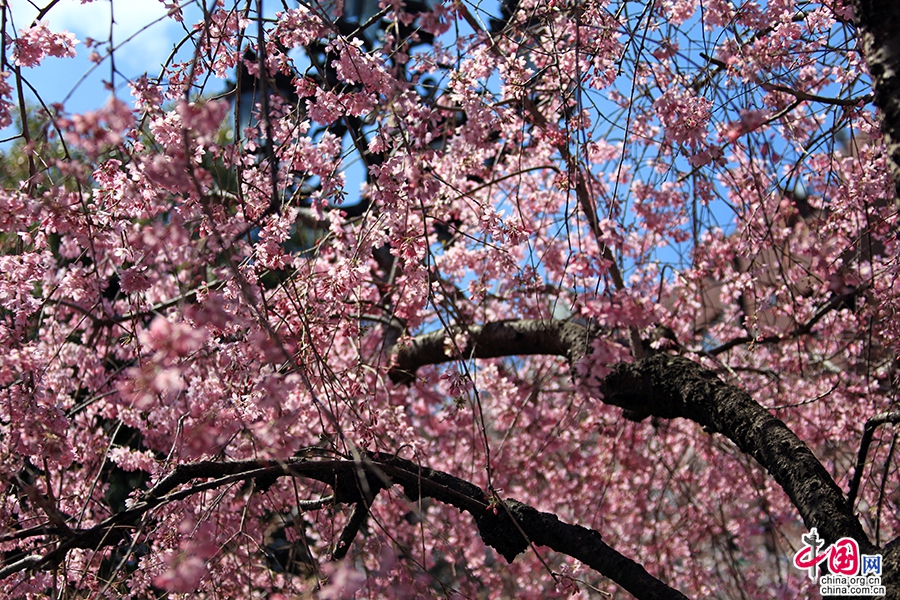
[37,42]
[525,300]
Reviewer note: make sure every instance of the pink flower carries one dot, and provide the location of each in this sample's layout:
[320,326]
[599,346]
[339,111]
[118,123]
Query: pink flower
[683,115]
[188,568]
[5,105]
[343,581]
[173,339]
[750,121]
[36,43]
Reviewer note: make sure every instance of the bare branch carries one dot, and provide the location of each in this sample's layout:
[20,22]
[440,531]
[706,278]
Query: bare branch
[868,431]
[801,95]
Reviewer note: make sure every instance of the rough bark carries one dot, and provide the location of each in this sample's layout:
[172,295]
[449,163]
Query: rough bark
[671,387]
[878,24]
[890,565]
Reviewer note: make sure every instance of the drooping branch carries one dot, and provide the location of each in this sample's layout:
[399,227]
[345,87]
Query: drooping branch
[802,329]
[372,473]
[357,519]
[540,528]
[878,22]
[670,387]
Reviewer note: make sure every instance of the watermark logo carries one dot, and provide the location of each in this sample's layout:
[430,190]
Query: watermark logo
[850,573]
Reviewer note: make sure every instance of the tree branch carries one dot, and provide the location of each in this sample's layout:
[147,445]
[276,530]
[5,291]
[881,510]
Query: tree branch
[878,22]
[799,330]
[502,338]
[670,387]
[868,431]
[801,95]
[673,386]
[380,471]
[543,529]
[357,520]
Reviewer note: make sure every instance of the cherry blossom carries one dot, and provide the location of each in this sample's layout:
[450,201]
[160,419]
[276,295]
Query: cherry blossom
[532,300]
[37,42]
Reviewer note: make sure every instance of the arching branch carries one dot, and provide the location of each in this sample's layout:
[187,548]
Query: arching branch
[503,338]
[670,387]
[673,386]
[868,431]
[379,471]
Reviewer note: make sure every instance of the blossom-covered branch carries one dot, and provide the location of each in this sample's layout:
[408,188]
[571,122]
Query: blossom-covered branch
[221,285]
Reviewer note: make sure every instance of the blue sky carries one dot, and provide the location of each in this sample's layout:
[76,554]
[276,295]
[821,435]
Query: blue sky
[144,38]
[152,37]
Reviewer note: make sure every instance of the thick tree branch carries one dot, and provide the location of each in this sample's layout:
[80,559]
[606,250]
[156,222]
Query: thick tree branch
[540,528]
[878,22]
[670,387]
[502,338]
[380,471]
[673,386]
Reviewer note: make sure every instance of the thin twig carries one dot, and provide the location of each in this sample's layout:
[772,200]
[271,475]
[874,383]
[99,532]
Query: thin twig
[801,95]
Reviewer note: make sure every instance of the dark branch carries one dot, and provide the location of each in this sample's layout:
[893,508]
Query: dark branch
[545,529]
[357,519]
[801,95]
[379,471]
[803,329]
[878,22]
[670,387]
[868,431]
[540,528]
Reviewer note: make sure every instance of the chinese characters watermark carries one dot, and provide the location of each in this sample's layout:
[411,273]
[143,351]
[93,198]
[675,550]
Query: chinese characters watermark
[849,572]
